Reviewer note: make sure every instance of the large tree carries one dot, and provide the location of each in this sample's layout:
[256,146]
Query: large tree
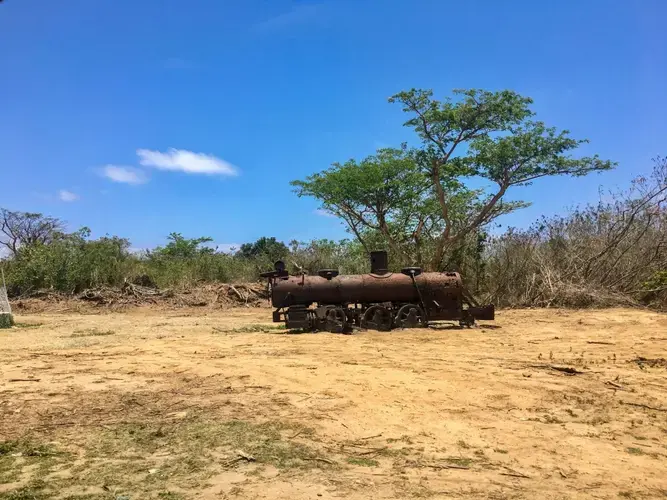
[419,199]
[18,229]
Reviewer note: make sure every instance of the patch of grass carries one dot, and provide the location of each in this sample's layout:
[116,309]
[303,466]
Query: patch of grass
[500,450]
[550,419]
[9,473]
[254,328]
[404,488]
[405,438]
[626,494]
[635,451]
[599,420]
[15,455]
[27,325]
[23,494]
[170,495]
[363,462]
[192,440]
[463,444]
[462,461]
[91,496]
[26,448]
[92,332]
[32,491]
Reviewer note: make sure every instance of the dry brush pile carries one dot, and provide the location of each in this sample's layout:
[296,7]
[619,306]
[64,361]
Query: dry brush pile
[609,254]
[212,295]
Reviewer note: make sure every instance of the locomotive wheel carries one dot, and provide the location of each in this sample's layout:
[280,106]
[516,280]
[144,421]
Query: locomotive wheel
[410,316]
[377,318]
[467,321]
[336,320]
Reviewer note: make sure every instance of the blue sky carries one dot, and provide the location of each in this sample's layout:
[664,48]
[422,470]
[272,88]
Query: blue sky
[205,110]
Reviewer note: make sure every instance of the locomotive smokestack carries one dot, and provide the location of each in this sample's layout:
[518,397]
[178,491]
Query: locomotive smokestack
[379,263]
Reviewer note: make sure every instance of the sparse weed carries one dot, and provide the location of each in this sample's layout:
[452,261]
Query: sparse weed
[27,325]
[253,328]
[462,461]
[92,332]
[363,462]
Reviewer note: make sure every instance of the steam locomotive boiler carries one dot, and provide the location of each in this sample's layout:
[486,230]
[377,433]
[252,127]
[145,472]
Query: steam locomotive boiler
[380,300]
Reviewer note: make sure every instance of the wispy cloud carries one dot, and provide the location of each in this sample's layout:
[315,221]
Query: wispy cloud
[124,175]
[181,160]
[324,213]
[67,196]
[300,14]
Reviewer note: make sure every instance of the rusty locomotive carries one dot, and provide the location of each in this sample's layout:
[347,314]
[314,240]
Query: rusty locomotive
[380,300]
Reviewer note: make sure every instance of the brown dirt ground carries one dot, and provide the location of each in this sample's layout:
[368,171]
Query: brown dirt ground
[158,404]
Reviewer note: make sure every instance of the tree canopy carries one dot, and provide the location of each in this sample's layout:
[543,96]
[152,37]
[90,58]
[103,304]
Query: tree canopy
[19,229]
[418,200]
[179,247]
[270,248]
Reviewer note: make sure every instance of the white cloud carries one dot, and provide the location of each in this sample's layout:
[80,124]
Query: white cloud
[300,14]
[67,196]
[186,161]
[124,175]
[324,213]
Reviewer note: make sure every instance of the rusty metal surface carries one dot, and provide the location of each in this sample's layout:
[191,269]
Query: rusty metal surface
[366,288]
[379,300]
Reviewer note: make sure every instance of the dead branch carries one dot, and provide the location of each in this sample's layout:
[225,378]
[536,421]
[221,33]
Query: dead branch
[320,459]
[370,437]
[24,380]
[600,342]
[640,405]
[564,369]
[445,466]
[515,474]
[615,385]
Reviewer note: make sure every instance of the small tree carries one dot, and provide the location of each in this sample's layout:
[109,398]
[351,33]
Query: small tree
[418,199]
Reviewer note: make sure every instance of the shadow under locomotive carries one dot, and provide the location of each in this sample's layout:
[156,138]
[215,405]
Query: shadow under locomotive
[380,300]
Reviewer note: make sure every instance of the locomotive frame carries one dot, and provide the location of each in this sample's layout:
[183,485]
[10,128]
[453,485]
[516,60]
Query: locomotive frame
[380,300]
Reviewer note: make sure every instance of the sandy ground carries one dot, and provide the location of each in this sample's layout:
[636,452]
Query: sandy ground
[208,405]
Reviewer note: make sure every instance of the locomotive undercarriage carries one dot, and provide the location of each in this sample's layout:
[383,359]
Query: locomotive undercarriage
[344,318]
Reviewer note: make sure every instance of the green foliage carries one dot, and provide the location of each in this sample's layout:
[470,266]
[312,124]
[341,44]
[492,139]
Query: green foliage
[69,263]
[347,256]
[382,194]
[261,254]
[418,201]
[657,281]
[179,247]
[270,248]
[73,263]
